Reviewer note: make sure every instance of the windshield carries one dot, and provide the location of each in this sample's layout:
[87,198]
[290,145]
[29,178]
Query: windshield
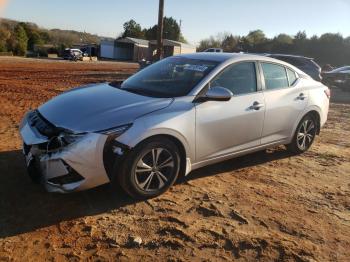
[170,77]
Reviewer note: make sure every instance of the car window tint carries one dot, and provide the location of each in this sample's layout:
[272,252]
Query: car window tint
[291,76]
[238,78]
[275,76]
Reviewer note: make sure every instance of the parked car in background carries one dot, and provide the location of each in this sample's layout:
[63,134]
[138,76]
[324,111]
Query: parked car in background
[214,50]
[174,116]
[144,63]
[73,54]
[306,64]
[339,77]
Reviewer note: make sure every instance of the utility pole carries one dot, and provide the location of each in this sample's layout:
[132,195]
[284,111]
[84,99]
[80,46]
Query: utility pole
[160,30]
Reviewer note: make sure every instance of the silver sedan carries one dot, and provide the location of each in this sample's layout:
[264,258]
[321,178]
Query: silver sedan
[177,115]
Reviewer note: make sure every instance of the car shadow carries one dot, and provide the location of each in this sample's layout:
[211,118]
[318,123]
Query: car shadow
[25,206]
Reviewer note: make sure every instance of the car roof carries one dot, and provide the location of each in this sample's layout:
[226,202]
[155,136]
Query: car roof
[232,57]
[222,57]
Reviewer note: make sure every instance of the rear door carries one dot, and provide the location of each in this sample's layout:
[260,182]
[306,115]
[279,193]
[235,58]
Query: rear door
[285,100]
[234,125]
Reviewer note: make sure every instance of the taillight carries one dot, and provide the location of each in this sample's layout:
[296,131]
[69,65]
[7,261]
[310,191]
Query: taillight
[328,93]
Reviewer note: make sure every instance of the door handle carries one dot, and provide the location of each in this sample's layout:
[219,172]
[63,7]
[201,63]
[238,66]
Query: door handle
[256,106]
[301,96]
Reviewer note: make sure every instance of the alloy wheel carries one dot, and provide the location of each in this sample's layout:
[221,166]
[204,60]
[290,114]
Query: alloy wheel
[306,134]
[154,169]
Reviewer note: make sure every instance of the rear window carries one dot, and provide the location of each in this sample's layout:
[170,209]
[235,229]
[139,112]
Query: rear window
[275,76]
[291,76]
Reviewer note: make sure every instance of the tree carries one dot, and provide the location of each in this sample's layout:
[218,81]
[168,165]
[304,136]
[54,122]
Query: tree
[230,43]
[256,37]
[21,40]
[226,41]
[5,34]
[132,29]
[282,43]
[151,33]
[300,36]
[171,30]
[255,41]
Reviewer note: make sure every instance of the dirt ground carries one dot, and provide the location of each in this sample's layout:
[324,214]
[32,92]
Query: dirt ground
[268,206]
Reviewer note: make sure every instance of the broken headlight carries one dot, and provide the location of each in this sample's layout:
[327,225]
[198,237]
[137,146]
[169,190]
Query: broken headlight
[67,138]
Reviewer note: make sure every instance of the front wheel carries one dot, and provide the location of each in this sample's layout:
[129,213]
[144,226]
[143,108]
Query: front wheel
[150,168]
[304,135]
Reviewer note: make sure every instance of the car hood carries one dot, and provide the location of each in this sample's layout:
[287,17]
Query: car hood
[98,107]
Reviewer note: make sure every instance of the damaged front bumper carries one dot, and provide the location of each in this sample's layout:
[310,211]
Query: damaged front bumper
[73,167]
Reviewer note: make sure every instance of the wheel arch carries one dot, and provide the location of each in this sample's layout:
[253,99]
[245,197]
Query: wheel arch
[315,112]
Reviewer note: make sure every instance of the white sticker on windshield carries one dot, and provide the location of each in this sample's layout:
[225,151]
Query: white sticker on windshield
[199,68]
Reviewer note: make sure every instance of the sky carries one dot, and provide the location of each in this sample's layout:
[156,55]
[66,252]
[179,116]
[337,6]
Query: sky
[200,18]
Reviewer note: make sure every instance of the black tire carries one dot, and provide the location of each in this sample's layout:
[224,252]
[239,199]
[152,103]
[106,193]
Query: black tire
[132,177]
[304,135]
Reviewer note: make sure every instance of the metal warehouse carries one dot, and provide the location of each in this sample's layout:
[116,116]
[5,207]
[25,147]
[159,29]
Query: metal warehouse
[128,48]
[133,49]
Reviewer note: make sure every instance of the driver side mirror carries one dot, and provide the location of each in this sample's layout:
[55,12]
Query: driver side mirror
[216,93]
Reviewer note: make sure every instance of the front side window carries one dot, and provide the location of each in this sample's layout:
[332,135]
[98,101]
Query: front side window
[238,78]
[275,76]
[170,77]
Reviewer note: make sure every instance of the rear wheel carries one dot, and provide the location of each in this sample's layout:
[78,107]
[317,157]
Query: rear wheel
[304,135]
[150,168]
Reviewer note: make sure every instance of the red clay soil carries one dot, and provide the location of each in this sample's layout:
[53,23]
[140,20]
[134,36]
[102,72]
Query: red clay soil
[268,206]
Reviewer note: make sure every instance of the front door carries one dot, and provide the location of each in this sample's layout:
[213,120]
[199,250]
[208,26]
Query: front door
[231,126]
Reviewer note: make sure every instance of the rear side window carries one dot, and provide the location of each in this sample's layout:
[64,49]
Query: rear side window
[291,76]
[275,76]
[238,78]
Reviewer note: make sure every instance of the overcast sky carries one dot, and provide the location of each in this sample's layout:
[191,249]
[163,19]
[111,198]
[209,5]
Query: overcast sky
[200,18]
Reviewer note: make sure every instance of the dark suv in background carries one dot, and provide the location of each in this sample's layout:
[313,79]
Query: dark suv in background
[307,65]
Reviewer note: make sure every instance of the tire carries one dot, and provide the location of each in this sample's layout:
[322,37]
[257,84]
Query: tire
[304,135]
[140,178]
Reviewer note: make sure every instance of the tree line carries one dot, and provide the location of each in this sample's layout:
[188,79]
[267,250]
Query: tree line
[20,37]
[328,48]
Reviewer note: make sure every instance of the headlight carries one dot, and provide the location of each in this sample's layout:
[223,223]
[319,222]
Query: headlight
[116,131]
[66,138]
